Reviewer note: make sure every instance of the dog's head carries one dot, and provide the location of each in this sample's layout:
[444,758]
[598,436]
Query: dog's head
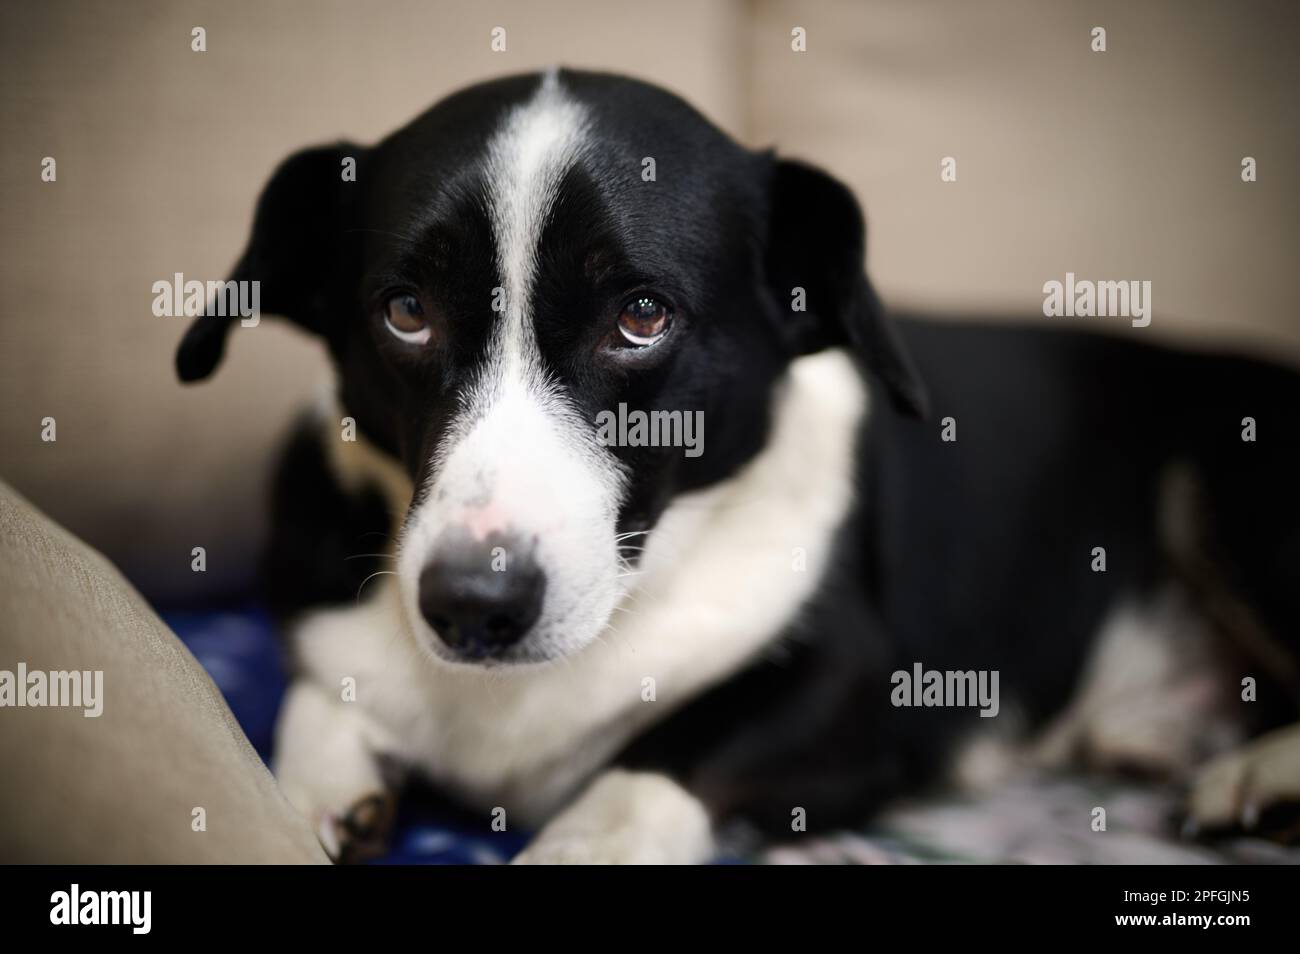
[506,274]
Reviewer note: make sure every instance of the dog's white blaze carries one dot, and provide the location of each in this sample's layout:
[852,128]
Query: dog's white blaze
[520,458]
[527,161]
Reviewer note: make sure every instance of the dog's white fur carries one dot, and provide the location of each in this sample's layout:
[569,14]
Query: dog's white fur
[723,575]
[626,818]
[325,777]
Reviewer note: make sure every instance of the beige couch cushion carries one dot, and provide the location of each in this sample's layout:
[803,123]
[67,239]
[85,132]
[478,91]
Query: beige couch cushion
[122,787]
[1117,165]
[161,154]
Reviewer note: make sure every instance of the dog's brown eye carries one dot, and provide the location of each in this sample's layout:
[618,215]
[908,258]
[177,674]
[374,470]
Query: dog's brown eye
[404,317]
[643,321]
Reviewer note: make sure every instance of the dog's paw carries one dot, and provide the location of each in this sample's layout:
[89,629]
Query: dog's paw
[331,773]
[351,828]
[625,818]
[1255,789]
[360,832]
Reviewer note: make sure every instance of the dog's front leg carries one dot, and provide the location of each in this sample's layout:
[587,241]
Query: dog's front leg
[327,761]
[626,818]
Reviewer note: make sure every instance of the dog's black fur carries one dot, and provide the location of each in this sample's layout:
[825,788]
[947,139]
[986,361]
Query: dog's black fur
[976,554]
[973,554]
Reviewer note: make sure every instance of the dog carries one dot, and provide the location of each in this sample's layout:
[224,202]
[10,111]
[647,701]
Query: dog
[627,647]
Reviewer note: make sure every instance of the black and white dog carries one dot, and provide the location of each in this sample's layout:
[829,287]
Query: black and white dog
[629,645]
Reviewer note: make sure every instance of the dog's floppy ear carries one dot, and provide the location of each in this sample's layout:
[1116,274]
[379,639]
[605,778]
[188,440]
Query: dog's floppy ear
[816,242]
[293,254]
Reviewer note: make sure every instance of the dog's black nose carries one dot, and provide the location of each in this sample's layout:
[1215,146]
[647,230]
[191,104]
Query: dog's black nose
[481,597]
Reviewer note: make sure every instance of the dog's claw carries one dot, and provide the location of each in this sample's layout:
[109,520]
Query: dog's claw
[327,835]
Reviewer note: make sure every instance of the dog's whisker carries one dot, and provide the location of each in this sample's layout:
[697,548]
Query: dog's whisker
[629,645]
[371,577]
